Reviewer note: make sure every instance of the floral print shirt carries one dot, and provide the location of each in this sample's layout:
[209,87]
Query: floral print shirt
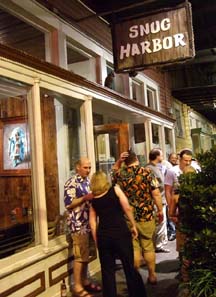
[77,218]
[137,183]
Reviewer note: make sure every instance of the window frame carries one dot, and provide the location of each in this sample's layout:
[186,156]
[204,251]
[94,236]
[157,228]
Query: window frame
[146,84]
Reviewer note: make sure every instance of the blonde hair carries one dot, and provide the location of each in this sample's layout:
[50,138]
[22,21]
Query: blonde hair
[189,169]
[99,183]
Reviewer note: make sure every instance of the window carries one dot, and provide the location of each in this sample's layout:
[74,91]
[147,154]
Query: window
[16,206]
[139,133]
[168,141]
[25,37]
[155,134]
[140,143]
[137,90]
[152,98]
[80,62]
[110,79]
[145,91]
[62,132]
[178,128]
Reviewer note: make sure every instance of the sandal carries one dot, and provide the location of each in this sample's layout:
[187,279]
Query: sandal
[82,293]
[93,288]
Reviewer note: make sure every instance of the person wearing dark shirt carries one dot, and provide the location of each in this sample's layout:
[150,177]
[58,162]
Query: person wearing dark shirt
[142,190]
[112,235]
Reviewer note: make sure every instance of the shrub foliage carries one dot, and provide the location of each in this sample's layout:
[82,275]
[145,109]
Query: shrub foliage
[198,222]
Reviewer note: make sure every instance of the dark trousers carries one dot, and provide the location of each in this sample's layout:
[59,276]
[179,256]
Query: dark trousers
[109,248]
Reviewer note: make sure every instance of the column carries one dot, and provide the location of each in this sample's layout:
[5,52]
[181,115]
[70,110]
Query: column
[148,131]
[56,48]
[162,139]
[38,165]
[87,130]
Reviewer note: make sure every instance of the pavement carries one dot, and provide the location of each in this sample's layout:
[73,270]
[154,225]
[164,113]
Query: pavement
[167,267]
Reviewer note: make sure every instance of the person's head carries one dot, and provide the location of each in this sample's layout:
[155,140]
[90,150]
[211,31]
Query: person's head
[189,169]
[173,159]
[131,158]
[185,158]
[156,155]
[99,183]
[83,167]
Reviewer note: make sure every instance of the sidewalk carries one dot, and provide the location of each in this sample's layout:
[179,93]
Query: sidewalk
[167,270]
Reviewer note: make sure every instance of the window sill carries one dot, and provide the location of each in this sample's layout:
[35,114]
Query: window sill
[31,256]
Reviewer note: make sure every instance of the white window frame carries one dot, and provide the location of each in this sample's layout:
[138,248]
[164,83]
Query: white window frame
[139,90]
[147,84]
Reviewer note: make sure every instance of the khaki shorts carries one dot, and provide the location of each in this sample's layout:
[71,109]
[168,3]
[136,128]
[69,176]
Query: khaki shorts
[144,242]
[83,247]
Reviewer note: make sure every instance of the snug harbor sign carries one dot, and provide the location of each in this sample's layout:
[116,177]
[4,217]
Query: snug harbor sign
[156,39]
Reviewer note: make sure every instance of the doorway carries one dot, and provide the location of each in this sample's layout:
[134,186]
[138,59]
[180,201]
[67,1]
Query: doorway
[110,141]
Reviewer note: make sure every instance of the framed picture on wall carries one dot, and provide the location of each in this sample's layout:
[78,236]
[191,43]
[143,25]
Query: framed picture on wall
[14,146]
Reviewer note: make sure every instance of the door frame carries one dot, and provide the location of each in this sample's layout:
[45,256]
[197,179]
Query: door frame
[121,129]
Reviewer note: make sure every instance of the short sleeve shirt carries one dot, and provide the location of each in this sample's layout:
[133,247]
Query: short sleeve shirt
[78,218]
[160,178]
[137,183]
[171,177]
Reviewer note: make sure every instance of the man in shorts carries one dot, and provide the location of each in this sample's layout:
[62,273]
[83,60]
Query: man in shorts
[142,190]
[77,202]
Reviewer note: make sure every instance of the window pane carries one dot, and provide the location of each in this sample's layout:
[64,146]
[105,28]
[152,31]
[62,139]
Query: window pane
[151,98]
[16,207]
[155,134]
[25,37]
[139,133]
[179,130]
[168,141]
[137,91]
[61,146]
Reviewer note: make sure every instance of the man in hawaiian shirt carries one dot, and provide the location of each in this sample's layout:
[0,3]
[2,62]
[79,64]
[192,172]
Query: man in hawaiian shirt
[77,201]
[142,190]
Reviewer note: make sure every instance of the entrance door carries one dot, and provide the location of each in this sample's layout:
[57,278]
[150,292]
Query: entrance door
[110,141]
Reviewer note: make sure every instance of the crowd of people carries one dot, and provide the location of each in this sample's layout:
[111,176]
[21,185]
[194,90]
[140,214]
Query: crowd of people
[131,219]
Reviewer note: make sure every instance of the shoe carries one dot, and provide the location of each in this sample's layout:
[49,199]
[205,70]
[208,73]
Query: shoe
[93,288]
[82,293]
[172,237]
[162,250]
[152,282]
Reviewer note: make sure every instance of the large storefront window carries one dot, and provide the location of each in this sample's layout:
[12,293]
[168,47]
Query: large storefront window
[16,203]
[155,135]
[140,143]
[61,132]
[168,141]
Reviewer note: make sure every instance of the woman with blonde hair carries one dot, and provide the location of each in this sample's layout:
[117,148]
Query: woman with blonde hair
[112,235]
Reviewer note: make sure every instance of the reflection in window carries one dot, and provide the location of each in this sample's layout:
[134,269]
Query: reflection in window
[178,127]
[155,134]
[140,143]
[16,207]
[107,152]
[168,141]
[139,133]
